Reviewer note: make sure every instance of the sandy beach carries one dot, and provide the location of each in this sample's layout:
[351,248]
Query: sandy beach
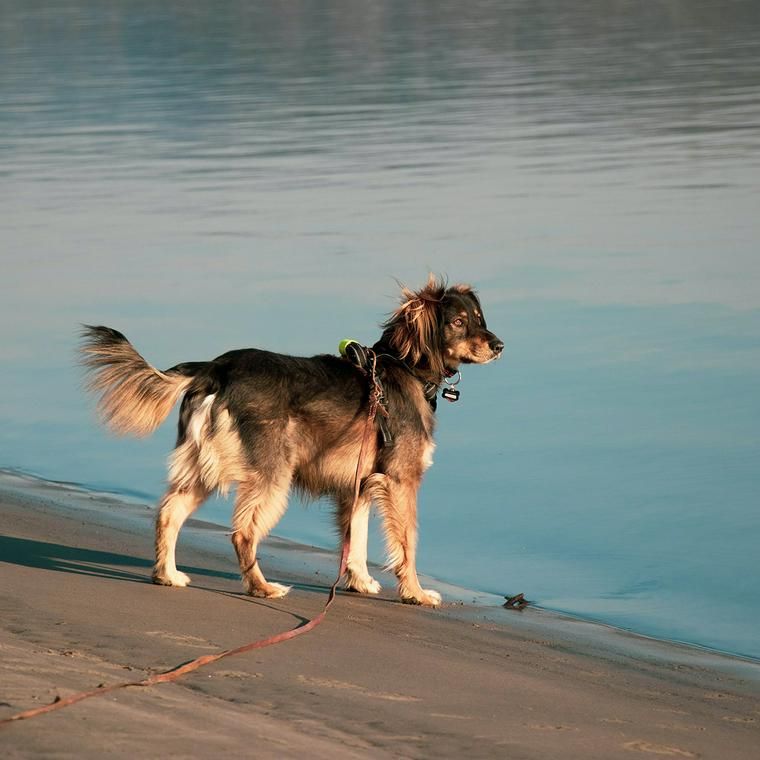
[376,679]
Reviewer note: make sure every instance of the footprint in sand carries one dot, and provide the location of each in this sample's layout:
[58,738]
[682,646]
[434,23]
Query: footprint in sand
[237,674]
[331,684]
[550,727]
[450,716]
[179,638]
[718,695]
[680,727]
[658,749]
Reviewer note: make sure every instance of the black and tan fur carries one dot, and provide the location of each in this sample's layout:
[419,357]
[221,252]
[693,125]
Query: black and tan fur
[269,423]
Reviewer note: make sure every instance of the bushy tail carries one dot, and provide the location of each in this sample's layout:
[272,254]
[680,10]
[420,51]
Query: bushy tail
[134,397]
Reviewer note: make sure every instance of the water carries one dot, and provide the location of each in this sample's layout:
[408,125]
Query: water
[205,178]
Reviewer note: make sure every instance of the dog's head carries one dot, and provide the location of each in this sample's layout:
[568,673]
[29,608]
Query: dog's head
[438,328]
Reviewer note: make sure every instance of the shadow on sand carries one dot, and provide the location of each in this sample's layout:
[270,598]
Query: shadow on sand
[66,559]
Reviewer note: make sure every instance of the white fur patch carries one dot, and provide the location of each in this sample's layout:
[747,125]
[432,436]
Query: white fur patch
[427,455]
[200,419]
[211,459]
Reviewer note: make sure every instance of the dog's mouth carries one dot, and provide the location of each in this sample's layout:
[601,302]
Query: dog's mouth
[473,352]
[493,358]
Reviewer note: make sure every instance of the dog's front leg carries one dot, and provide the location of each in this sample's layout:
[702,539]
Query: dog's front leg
[357,574]
[398,502]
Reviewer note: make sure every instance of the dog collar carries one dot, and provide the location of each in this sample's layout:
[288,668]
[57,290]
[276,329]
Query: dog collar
[450,393]
[358,355]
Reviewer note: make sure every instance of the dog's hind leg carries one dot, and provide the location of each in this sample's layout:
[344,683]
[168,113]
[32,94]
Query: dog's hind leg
[258,507]
[175,507]
[357,574]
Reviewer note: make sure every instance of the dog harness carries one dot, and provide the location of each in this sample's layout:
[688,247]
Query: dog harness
[364,359]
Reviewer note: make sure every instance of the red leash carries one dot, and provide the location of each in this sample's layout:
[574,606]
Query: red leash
[189,667]
[207,659]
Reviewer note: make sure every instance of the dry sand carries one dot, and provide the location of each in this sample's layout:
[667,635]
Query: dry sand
[376,679]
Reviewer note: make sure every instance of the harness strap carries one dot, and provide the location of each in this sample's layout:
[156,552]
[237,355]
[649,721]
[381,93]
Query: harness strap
[366,360]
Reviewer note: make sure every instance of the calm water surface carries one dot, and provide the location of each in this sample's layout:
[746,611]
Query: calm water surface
[206,178]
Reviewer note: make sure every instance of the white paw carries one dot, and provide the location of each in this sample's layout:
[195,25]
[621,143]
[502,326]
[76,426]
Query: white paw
[428,598]
[364,584]
[171,578]
[270,591]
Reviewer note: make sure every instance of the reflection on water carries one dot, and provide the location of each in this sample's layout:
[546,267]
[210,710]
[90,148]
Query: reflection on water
[206,178]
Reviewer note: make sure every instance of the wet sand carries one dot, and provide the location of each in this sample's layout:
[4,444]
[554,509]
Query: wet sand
[376,679]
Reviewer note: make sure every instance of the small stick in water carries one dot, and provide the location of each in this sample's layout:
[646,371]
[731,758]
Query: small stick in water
[517,602]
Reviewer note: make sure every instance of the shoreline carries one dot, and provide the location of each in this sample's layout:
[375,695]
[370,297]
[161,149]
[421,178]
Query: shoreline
[378,678]
[478,602]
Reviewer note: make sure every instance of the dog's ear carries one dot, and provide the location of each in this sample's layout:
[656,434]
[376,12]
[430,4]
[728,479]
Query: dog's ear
[415,329]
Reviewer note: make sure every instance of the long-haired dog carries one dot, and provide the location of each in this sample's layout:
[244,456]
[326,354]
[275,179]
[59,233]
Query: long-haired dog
[269,422]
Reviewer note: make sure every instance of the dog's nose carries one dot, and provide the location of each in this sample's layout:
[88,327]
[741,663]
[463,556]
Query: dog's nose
[497,346]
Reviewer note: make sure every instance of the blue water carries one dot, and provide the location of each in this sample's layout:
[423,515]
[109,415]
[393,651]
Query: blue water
[204,179]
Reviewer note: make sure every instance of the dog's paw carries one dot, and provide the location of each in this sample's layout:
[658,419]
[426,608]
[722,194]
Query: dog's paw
[428,598]
[364,584]
[270,591]
[432,598]
[175,578]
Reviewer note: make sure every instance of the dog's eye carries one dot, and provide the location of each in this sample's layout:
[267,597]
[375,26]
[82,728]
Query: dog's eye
[458,322]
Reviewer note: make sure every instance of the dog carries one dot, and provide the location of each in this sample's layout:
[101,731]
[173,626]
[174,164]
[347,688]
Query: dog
[269,423]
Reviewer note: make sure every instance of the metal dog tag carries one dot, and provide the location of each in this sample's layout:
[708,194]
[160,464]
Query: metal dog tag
[450,394]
